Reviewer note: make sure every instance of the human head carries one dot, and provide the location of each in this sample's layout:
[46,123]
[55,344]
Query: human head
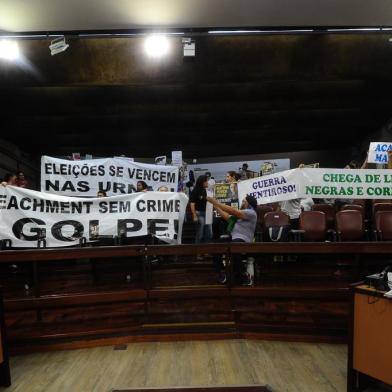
[101,194]
[10,179]
[245,166]
[301,165]
[231,176]
[353,165]
[249,202]
[202,182]
[21,175]
[141,186]
[208,174]
[163,189]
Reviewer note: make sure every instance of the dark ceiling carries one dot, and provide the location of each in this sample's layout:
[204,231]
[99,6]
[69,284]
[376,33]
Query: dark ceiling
[240,95]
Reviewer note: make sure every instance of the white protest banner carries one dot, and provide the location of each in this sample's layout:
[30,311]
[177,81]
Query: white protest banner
[111,175]
[319,184]
[345,183]
[272,188]
[26,216]
[378,152]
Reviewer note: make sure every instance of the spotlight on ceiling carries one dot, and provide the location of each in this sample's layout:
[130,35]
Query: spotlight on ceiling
[156,46]
[9,50]
[58,45]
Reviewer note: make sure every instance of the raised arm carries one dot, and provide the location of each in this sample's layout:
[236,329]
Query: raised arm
[228,209]
[365,162]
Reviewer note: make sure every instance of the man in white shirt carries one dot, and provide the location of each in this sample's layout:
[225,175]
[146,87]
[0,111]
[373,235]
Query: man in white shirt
[293,209]
[307,204]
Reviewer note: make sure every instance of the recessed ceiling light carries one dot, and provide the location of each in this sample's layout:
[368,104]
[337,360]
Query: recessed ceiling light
[9,50]
[156,45]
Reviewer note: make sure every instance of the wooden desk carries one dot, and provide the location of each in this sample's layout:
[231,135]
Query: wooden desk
[370,350]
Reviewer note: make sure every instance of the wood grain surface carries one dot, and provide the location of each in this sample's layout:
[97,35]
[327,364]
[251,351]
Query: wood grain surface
[283,366]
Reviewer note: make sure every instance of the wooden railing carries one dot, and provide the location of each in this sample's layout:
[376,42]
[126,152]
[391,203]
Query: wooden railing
[145,252]
[296,305]
[260,248]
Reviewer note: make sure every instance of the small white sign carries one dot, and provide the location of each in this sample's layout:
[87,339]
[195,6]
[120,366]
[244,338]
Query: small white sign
[125,158]
[161,160]
[177,158]
[378,152]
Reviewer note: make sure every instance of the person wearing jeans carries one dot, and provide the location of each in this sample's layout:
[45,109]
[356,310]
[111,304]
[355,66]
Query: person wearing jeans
[198,200]
[203,230]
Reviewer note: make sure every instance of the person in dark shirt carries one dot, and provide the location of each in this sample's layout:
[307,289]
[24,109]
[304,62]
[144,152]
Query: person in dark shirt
[198,200]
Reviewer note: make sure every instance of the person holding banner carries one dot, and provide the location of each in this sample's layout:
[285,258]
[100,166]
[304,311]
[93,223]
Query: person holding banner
[9,179]
[21,181]
[231,178]
[242,226]
[307,204]
[293,209]
[198,202]
[141,186]
[352,165]
[365,162]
